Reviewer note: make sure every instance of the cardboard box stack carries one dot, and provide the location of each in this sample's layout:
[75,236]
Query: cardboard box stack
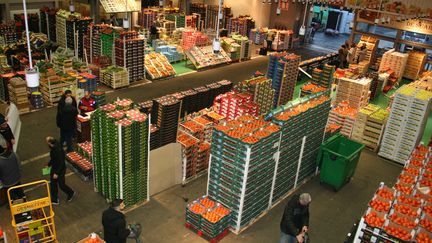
[261,89]
[354,91]
[120,152]
[415,64]
[408,116]
[241,25]
[147,17]
[232,105]
[283,70]
[18,94]
[395,61]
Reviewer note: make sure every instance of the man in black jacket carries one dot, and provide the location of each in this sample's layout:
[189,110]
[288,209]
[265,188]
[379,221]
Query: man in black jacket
[6,131]
[10,170]
[58,170]
[295,220]
[67,123]
[114,223]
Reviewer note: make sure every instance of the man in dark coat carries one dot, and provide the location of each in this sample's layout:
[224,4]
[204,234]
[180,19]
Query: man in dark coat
[10,170]
[6,131]
[58,170]
[114,223]
[295,220]
[68,123]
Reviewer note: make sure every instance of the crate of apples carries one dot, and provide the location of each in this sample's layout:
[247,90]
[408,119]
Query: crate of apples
[406,209]
[397,231]
[423,236]
[374,218]
[403,220]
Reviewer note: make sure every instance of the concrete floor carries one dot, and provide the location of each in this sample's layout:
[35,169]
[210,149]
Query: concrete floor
[332,214]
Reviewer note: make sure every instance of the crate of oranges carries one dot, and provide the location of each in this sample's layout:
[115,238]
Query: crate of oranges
[423,236]
[374,219]
[403,220]
[397,232]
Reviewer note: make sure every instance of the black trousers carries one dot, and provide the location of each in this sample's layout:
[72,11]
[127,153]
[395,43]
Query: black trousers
[59,182]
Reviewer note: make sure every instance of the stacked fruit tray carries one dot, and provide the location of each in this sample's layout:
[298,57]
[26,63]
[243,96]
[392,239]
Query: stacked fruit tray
[310,88]
[232,105]
[81,164]
[99,97]
[283,70]
[208,127]
[331,130]
[375,87]
[395,61]
[8,34]
[171,53]
[407,120]
[158,66]
[18,94]
[114,77]
[94,35]
[207,216]
[117,129]
[189,146]
[344,116]
[147,17]
[129,53]
[36,100]
[154,137]
[354,91]
[261,88]
[81,27]
[87,82]
[167,110]
[242,167]
[85,149]
[109,34]
[258,36]
[65,25]
[402,213]
[306,120]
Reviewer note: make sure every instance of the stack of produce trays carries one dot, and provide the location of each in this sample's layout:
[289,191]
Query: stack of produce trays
[99,97]
[207,216]
[208,127]
[344,116]
[167,110]
[203,98]
[120,152]
[81,164]
[190,102]
[302,125]
[402,213]
[87,82]
[310,88]
[114,77]
[331,130]
[189,147]
[18,94]
[261,89]
[154,137]
[408,116]
[241,167]
[232,105]
[129,53]
[354,91]
[203,157]
[85,149]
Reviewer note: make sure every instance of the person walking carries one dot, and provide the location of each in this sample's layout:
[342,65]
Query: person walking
[342,56]
[362,53]
[87,103]
[295,220]
[67,123]
[58,170]
[114,223]
[352,53]
[10,170]
[270,38]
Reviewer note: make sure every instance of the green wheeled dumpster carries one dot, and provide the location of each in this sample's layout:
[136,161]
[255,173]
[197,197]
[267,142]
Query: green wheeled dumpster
[337,160]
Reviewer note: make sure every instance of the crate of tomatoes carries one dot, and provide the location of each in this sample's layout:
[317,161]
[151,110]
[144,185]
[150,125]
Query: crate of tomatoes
[374,219]
[398,232]
[423,236]
[403,220]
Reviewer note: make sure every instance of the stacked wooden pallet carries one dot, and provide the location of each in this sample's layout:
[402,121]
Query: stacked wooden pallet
[114,77]
[371,46]
[395,61]
[415,64]
[354,91]
[18,94]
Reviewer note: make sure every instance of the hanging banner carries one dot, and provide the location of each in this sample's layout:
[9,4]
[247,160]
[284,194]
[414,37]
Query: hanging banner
[404,7]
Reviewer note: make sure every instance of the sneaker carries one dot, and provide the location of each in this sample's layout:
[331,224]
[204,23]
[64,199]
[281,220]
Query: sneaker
[55,202]
[69,199]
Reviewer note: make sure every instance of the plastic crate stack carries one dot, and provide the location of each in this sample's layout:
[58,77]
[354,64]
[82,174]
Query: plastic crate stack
[99,97]
[129,53]
[114,77]
[306,121]
[395,61]
[171,53]
[198,8]
[18,94]
[65,22]
[94,35]
[147,17]
[331,130]
[242,167]
[344,116]
[192,21]
[8,33]
[375,85]
[48,22]
[283,71]
[158,66]
[87,82]
[354,91]
[241,25]
[178,19]
[109,34]
[258,36]
[374,129]
[408,116]
[232,105]
[189,151]
[33,22]
[120,152]
[36,100]
[401,213]
[208,218]
[165,115]
[323,77]
[283,40]
[415,64]
[261,88]
[81,164]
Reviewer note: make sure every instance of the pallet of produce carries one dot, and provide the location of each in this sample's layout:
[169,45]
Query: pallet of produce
[114,77]
[18,94]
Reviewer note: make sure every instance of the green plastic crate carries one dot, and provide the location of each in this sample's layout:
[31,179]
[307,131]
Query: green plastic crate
[337,159]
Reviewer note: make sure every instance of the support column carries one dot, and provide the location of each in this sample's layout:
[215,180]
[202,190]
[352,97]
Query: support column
[94,10]
[397,43]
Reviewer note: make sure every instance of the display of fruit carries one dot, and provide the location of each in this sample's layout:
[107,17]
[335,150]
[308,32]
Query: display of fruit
[398,233]
[425,182]
[423,237]
[416,162]
[379,205]
[221,210]
[412,170]
[374,220]
[428,209]
[426,223]
[407,178]
[385,193]
[212,216]
[405,209]
[404,221]
[403,188]
[207,203]
[197,208]
[414,202]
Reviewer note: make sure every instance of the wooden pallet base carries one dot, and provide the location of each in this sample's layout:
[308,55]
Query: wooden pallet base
[204,236]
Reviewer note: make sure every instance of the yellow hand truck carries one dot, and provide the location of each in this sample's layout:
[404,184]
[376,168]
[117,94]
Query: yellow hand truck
[33,217]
